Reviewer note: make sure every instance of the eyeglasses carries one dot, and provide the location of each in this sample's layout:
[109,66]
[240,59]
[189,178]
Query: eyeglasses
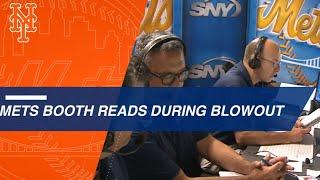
[274,64]
[168,78]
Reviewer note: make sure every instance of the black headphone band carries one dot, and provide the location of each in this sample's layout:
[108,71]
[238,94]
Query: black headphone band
[259,48]
[254,61]
[160,40]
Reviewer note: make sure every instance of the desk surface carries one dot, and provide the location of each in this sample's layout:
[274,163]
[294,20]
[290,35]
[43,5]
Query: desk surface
[250,154]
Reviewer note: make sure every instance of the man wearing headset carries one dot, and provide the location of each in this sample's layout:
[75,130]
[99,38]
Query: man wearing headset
[176,155]
[260,65]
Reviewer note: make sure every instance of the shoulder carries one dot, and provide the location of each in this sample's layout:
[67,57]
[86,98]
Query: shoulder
[235,77]
[231,80]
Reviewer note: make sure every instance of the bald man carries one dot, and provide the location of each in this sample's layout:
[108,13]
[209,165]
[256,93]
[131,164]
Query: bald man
[248,73]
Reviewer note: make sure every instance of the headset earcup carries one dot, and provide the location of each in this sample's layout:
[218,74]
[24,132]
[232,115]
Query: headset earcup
[254,63]
[257,63]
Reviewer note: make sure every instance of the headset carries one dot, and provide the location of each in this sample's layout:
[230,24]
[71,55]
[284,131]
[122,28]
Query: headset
[156,41]
[255,62]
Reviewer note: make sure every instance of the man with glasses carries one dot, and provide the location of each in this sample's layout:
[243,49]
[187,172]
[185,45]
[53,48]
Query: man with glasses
[176,155]
[260,65]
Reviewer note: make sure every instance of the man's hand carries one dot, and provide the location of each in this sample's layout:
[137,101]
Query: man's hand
[276,171]
[269,172]
[297,133]
[273,161]
[299,123]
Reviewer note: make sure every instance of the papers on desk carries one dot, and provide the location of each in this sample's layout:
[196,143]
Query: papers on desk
[306,178]
[228,173]
[295,152]
[296,165]
[313,173]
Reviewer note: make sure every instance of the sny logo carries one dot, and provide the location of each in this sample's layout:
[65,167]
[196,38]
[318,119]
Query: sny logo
[19,22]
[207,7]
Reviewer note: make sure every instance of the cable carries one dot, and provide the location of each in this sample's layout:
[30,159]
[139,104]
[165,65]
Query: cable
[139,142]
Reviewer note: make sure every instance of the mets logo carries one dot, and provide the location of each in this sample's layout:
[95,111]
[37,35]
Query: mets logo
[19,22]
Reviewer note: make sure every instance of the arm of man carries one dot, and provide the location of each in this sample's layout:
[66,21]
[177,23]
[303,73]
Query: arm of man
[182,176]
[262,138]
[221,154]
[263,173]
[267,138]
